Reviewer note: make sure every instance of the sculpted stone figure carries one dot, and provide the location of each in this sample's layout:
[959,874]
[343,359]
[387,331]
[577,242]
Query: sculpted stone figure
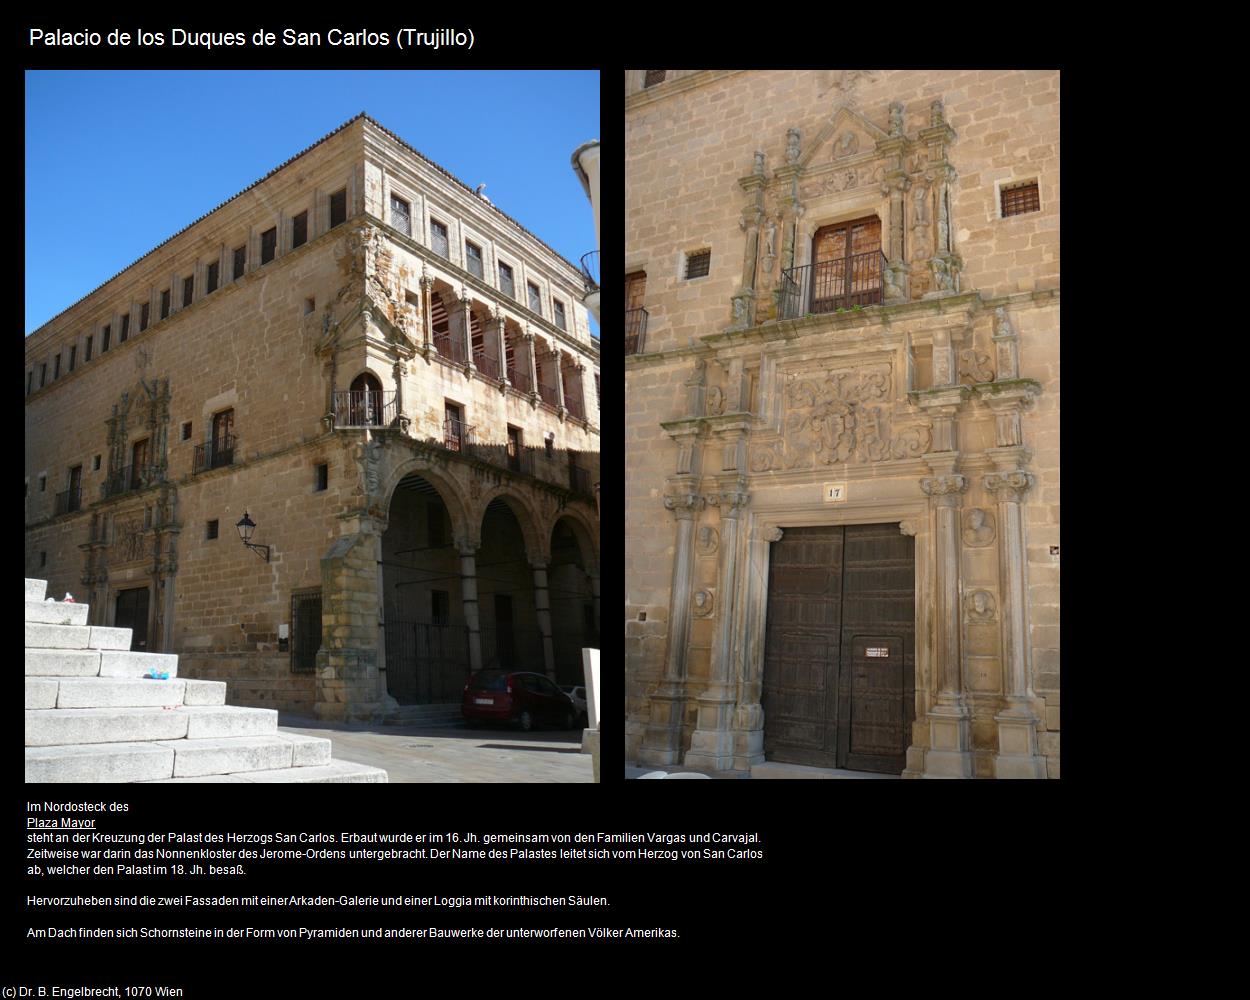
[942,280]
[792,146]
[770,239]
[1002,325]
[981,606]
[921,196]
[896,119]
[759,163]
[848,144]
[978,528]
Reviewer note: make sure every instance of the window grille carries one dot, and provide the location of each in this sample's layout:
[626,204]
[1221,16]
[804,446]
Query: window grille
[698,264]
[305,631]
[1020,198]
[438,238]
[401,217]
[654,76]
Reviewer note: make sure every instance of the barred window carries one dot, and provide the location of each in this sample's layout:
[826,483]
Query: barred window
[305,631]
[1020,198]
[401,215]
[438,238]
[698,263]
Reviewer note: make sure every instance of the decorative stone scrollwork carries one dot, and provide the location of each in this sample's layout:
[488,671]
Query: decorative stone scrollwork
[974,366]
[772,534]
[831,422]
[1010,486]
[683,505]
[980,606]
[907,528]
[730,502]
[978,528]
[944,486]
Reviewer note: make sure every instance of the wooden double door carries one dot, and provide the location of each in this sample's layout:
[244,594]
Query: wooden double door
[839,654]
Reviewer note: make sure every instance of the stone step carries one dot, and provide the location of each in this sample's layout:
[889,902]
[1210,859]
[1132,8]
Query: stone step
[110,692]
[56,613]
[76,637]
[65,726]
[36,590]
[198,759]
[336,772]
[100,762]
[94,663]
[777,769]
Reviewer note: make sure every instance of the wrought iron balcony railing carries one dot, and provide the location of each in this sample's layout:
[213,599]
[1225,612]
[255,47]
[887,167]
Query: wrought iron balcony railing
[549,394]
[458,436]
[130,477]
[832,285]
[635,330]
[365,408]
[575,406]
[214,454]
[69,501]
[449,347]
[519,376]
[486,364]
[590,270]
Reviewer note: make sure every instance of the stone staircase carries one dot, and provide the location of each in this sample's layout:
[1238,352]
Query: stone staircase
[93,715]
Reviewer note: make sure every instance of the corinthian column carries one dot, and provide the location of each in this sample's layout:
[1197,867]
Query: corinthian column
[949,753]
[662,742]
[711,745]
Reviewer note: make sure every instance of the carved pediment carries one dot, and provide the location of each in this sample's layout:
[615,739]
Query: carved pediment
[847,135]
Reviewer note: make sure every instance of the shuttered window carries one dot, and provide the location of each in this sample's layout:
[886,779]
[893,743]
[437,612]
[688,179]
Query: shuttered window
[473,258]
[535,297]
[438,238]
[557,309]
[1020,198]
[401,215]
[698,263]
[505,281]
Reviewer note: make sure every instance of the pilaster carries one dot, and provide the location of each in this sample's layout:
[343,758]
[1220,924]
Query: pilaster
[542,611]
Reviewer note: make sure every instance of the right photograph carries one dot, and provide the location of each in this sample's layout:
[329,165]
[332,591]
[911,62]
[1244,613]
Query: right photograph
[842,424]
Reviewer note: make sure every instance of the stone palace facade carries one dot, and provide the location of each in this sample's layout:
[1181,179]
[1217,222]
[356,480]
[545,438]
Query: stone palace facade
[842,390]
[392,378]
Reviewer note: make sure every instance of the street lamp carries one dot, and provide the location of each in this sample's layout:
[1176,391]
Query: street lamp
[246,527]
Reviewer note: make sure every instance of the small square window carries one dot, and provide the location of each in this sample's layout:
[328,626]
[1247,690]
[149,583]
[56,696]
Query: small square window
[240,261]
[323,477]
[188,290]
[211,533]
[165,304]
[338,208]
[268,245]
[95,464]
[186,431]
[210,284]
[698,263]
[299,230]
[1020,198]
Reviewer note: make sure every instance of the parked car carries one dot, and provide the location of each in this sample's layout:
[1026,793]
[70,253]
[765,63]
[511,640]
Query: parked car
[578,694]
[527,699]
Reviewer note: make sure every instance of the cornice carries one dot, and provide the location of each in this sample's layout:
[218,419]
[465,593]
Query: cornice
[679,86]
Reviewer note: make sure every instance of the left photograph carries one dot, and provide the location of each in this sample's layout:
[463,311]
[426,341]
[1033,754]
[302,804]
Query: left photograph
[311,484]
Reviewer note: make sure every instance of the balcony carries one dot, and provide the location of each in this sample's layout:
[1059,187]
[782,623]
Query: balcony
[635,330]
[832,285]
[449,348]
[458,436]
[520,378]
[590,271]
[365,408]
[69,501]
[549,395]
[213,455]
[579,480]
[130,477]
[486,364]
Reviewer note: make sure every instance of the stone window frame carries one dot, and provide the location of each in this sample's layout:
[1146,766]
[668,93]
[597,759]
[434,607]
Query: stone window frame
[513,268]
[393,195]
[435,220]
[1010,182]
[481,258]
[530,283]
[830,212]
[490,257]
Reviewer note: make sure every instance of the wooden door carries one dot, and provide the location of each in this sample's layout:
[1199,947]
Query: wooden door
[839,659]
[132,613]
[635,290]
[846,265]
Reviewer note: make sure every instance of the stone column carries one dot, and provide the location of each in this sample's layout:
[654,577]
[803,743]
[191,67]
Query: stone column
[501,344]
[542,610]
[427,286]
[662,739]
[468,593]
[1017,755]
[712,745]
[466,320]
[749,717]
[949,729]
[556,359]
[530,360]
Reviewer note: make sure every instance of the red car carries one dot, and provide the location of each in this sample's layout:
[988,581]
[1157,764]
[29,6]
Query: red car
[514,696]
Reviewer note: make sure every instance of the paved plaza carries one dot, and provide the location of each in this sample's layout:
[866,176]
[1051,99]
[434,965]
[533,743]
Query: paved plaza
[453,752]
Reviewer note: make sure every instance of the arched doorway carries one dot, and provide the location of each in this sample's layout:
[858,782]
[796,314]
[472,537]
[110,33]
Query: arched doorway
[511,639]
[427,652]
[364,407]
[574,623]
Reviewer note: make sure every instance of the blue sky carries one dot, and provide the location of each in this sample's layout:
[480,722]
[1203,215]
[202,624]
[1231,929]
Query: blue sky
[117,162]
